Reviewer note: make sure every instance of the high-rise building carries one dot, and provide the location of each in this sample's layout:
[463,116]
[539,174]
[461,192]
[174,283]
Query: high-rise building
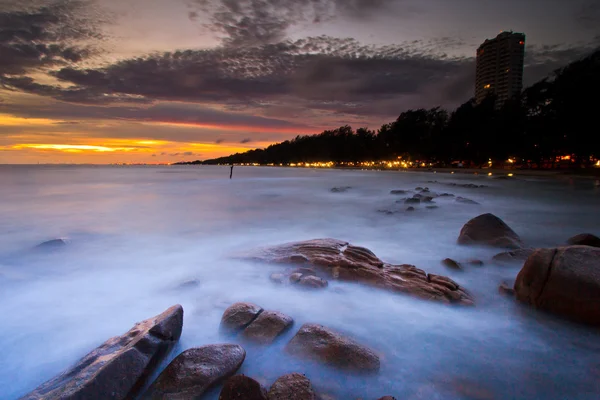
[500,67]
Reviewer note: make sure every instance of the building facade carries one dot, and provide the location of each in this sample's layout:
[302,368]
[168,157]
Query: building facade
[500,67]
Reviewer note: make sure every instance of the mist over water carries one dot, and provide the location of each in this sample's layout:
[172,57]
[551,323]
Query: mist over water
[136,233]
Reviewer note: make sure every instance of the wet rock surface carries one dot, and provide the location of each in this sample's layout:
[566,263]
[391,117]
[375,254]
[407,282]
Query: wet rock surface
[120,367]
[196,370]
[237,317]
[267,327]
[292,387]
[564,281]
[342,261]
[489,230]
[241,387]
[584,239]
[319,343]
[312,282]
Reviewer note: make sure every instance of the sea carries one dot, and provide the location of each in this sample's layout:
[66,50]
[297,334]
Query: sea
[135,234]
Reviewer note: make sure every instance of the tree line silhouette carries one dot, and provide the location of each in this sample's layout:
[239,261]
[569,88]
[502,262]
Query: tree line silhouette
[555,119]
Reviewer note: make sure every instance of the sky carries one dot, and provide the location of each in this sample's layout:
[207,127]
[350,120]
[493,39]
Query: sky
[162,81]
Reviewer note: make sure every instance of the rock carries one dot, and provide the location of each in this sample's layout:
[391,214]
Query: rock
[53,244]
[191,284]
[196,370]
[412,200]
[432,207]
[489,230]
[121,366]
[464,200]
[418,188]
[446,195]
[427,199]
[340,260]
[515,256]
[450,263]
[341,189]
[386,212]
[292,387]
[277,278]
[410,209]
[387,398]
[564,281]
[294,278]
[400,192]
[237,317]
[313,282]
[267,327]
[505,289]
[475,263]
[322,344]
[241,387]
[585,239]
[305,272]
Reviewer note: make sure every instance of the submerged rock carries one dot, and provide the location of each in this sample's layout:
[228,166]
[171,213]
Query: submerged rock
[412,200]
[515,256]
[196,370]
[53,244]
[564,281]
[312,282]
[319,343]
[292,387]
[191,284]
[387,398]
[489,230]
[237,317]
[341,189]
[464,200]
[475,263]
[410,209]
[341,260]
[400,192]
[585,239]
[277,278]
[267,327]
[450,263]
[120,367]
[505,289]
[241,387]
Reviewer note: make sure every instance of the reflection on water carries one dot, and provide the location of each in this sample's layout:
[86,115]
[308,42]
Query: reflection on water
[135,234]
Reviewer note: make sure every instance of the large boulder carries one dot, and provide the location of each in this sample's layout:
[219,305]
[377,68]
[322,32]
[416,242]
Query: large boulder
[292,387]
[196,370]
[267,327]
[564,281]
[241,387]
[319,343]
[489,230]
[340,260]
[237,317]
[120,367]
[585,239]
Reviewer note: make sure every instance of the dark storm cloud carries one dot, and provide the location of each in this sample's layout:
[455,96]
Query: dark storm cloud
[36,35]
[259,22]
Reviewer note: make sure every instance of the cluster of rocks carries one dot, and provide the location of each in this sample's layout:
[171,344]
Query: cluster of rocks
[339,260]
[423,195]
[462,185]
[562,280]
[121,367]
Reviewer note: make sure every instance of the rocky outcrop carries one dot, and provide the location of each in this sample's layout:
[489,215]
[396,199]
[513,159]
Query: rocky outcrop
[237,317]
[489,230]
[342,261]
[292,387]
[585,239]
[196,370]
[241,387]
[515,256]
[564,281]
[267,327]
[120,367]
[319,343]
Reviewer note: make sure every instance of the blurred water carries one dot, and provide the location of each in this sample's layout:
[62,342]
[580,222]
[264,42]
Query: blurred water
[136,233]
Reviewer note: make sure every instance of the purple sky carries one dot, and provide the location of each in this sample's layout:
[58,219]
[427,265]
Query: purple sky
[164,80]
